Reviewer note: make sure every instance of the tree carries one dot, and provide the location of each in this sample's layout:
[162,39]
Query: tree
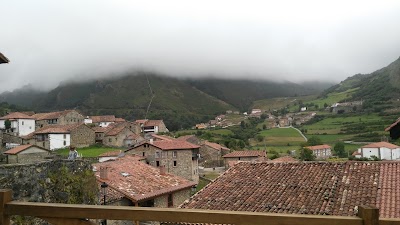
[306,154]
[325,105]
[264,127]
[314,140]
[7,124]
[339,150]
[259,138]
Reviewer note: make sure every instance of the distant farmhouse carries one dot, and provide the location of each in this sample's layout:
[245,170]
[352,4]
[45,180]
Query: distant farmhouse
[347,107]
[246,155]
[321,151]
[381,150]
[152,126]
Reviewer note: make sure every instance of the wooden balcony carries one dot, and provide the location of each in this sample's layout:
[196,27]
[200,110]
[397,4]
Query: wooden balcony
[71,214]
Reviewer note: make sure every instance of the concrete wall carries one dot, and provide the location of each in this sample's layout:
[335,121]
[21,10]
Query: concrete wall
[57,141]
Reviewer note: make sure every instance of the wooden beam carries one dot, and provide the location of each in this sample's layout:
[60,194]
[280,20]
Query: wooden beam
[61,221]
[5,197]
[387,221]
[369,215]
[66,211]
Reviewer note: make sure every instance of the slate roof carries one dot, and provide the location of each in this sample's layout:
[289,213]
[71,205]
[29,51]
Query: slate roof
[140,181]
[16,115]
[21,148]
[318,147]
[319,188]
[381,144]
[51,115]
[247,153]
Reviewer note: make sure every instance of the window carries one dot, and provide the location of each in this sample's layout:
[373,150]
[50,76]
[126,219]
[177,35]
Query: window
[174,154]
[175,163]
[22,122]
[65,136]
[158,154]
[239,158]
[157,163]
[143,154]
[109,140]
[43,144]
[170,201]
[65,143]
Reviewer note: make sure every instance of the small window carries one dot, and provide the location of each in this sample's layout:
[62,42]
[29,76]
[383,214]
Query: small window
[143,154]
[170,201]
[239,158]
[158,154]
[157,163]
[174,154]
[175,163]
[109,140]
[65,143]
[22,122]
[65,136]
[43,144]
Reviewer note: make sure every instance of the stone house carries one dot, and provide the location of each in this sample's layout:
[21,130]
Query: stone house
[117,135]
[211,154]
[133,140]
[178,157]
[26,154]
[381,150]
[21,124]
[59,118]
[152,126]
[134,183]
[246,155]
[61,136]
[321,151]
[103,121]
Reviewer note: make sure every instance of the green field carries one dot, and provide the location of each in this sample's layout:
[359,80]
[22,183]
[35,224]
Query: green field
[278,103]
[92,151]
[278,139]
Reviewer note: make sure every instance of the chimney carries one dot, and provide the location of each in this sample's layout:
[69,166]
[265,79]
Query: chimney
[163,170]
[104,173]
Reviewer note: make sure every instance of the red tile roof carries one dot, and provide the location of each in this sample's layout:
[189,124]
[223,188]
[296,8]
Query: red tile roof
[163,137]
[246,153]
[319,188]
[16,115]
[100,129]
[134,137]
[57,129]
[51,115]
[106,118]
[119,120]
[174,145]
[138,181]
[114,129]
[285,158]
[216,146]
[21,148]
[318,147]
[381,144]
[111,153]
[153,123]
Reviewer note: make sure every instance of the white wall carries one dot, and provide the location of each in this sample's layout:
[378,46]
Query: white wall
[27,127]
[87,120]
[105,124]
[385,153]
[369,152]
[57,141]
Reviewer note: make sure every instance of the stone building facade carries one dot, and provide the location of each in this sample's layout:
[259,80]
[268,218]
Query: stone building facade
[82,136]
[60,118]
[26,154]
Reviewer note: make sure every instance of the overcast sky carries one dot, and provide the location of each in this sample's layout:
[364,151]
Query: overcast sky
[50,41]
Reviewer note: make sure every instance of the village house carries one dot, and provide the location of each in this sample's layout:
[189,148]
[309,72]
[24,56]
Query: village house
[21,124]
[321,151]
[60,118]
[54,137]
[381,150]
[178,157]
[26,154]
[211,154]
[346,107]
[134,183]
[117,135]
[201,126]
[103,121]
[246,155]
[284,122]
[152,126]
[314,188]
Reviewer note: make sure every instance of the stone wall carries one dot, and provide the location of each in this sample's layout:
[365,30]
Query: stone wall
[117,140]
[9,138]
[82,136]
[27,158]
[71,117]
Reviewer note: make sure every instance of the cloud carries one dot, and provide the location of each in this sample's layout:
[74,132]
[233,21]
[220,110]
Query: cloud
[51,41]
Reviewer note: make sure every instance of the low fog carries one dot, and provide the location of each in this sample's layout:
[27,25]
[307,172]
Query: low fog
[51,41]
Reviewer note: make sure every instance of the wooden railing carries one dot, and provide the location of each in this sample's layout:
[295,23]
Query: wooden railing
[71,214]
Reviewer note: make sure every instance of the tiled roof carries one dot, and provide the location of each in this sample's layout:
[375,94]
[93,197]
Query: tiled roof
[153,123]
[111,153]
[163,137]
[100,129]
[141,121]
[134,137]
[317,147]
[216,146]
[391,126]
[51,115]
[319,188]
[138,181]
[185,137]
[285,158]
[20,148]
[246,153]
[114,130]
[118,120]
[380,145]
[57,129]
[16,115]
[106,118]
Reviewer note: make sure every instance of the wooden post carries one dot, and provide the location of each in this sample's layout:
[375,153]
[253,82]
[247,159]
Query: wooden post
[369,215]
[5,197]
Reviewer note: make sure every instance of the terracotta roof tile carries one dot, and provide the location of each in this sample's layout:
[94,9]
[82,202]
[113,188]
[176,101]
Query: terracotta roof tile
[247,153]
[380,145]
[163,137]
[111,153]
[317,147]
[100,129]
[119,120]
[174,145]
[57,129]
[20,148]
[285,158]
[153,123]
[139,181]
[51,115]
[16,115]
[216,146]
[106,118]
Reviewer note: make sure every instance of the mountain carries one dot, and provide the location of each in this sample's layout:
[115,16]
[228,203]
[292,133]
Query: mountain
[180,102]
[379,90]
